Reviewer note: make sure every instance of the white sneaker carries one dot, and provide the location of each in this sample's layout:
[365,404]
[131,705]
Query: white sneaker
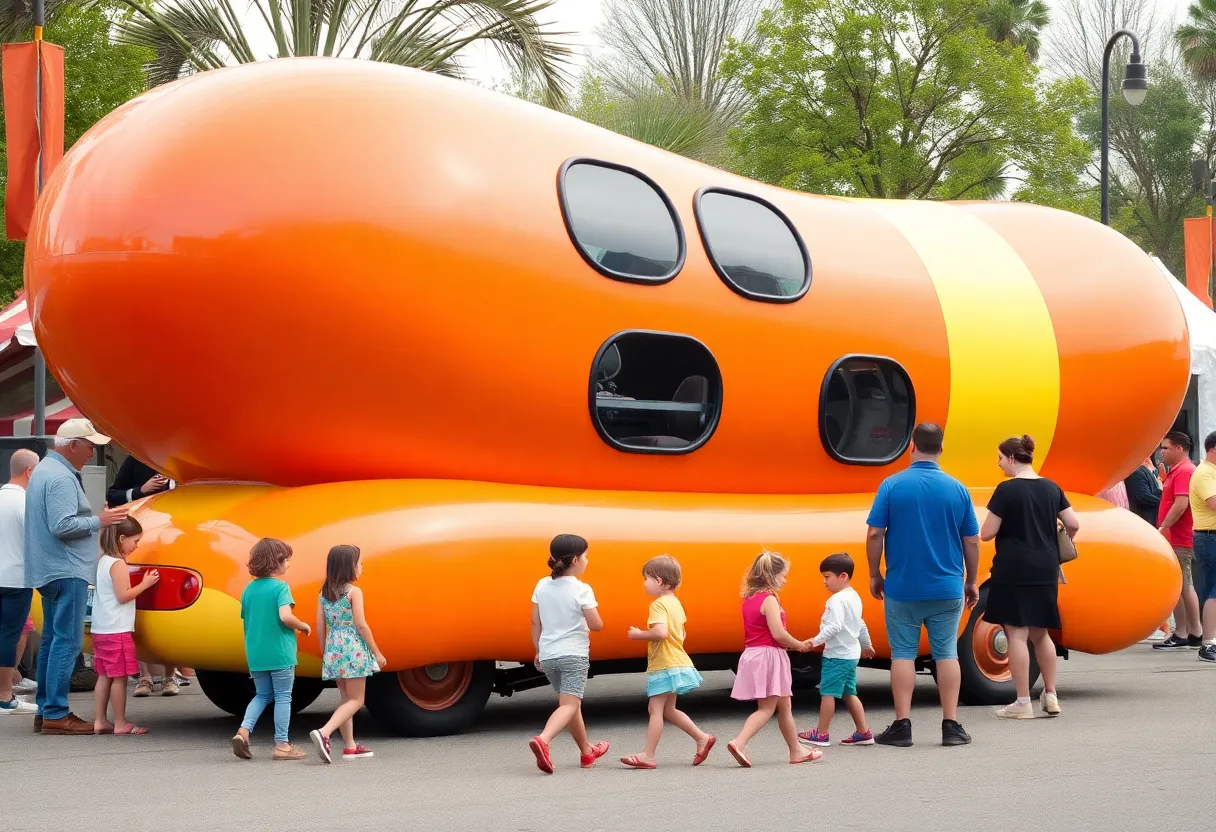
[1016,711]
[18,706]
[25,687]
[1049,703]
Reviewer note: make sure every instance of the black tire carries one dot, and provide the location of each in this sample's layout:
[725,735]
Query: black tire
[805,669]
[231,692]
[977,687]
[396,712]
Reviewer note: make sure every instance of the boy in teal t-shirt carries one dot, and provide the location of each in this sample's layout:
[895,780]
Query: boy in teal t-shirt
[270,646]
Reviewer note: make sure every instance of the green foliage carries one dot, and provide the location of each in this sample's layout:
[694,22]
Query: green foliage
[1016,22]
[98,76]
[1197,39]
[901,99]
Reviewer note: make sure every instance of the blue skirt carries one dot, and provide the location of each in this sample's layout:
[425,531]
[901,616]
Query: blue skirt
[677,680]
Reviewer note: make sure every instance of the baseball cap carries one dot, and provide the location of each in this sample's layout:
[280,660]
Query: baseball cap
[81,429]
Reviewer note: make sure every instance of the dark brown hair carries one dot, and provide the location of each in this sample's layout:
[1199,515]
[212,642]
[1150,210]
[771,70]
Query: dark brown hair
[1180,439]
[266,556]
[763,574]
[927,438]
[664,568]
[111,535]
[341,569]
[838,564]
[1019,450]
[563,550]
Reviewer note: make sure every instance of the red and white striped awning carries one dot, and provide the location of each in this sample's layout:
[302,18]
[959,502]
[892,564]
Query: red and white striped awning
[17,368]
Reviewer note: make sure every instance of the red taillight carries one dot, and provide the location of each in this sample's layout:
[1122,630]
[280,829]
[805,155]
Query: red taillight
[177,588]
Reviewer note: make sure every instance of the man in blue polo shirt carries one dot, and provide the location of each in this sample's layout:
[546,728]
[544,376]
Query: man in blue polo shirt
[925,520]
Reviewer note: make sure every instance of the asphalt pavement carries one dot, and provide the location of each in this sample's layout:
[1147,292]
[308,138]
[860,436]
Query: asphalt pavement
[1134,750]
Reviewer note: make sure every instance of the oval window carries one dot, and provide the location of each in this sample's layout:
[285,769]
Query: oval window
[655,392]
[867,410]
[753,246]
[621,222]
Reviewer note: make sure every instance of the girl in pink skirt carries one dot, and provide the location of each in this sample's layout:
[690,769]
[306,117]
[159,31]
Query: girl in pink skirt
[764,668]
[113,625]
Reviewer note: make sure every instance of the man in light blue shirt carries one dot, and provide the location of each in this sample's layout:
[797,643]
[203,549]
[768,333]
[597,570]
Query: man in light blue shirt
[61,534]
[925,521]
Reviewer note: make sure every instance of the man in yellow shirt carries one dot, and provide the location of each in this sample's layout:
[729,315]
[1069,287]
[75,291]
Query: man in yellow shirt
[1203,510]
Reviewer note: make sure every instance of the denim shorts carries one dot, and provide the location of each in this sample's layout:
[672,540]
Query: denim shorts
[940,618]
[567,674]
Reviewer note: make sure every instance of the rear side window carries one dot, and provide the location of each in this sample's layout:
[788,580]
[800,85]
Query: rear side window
[622,223]
[655,392]
[866,410]
[754,247]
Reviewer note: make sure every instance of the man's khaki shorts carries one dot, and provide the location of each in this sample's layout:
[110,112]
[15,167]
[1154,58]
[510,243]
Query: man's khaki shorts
[1185,556]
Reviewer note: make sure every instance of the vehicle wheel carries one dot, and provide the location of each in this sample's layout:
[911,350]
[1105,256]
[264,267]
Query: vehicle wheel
[431,701]
[231,692]
[805,669]
[984,659]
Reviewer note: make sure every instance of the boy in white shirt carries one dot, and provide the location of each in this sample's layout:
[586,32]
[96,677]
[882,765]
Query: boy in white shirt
[845,641]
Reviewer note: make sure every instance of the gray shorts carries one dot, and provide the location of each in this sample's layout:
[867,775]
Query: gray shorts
[567,674]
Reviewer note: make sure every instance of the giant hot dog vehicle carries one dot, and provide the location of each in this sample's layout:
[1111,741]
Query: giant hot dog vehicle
[346,302]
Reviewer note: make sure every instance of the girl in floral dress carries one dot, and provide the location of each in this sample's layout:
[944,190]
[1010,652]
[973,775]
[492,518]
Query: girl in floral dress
[350,654]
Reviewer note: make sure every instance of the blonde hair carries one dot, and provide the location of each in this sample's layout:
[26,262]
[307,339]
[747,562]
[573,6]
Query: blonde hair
[763,574]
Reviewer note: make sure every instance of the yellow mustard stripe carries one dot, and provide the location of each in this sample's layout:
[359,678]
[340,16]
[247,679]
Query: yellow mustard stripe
[1004,363]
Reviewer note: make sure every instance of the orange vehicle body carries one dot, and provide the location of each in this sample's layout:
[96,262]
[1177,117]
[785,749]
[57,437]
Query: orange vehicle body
[342,280]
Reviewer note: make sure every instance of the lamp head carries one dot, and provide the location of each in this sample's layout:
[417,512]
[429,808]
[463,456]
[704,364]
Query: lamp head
[1135,81]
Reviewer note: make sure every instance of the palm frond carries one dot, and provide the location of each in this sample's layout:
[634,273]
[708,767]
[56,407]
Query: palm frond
[1197,39]
[17,17]
[185,35]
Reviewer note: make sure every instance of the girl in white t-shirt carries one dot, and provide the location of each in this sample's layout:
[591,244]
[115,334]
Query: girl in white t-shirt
[113,625]
[564,610]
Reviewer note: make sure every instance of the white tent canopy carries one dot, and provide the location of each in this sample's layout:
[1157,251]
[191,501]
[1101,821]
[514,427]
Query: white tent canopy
[1201,322]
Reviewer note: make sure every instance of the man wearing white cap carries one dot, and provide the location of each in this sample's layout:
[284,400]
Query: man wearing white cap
[61,534]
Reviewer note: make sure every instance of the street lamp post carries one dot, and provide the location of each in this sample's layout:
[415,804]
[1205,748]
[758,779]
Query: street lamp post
[1135,87]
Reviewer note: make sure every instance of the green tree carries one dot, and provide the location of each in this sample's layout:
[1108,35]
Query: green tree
[902,99]
[196,35]
[1016,22]
[98,76]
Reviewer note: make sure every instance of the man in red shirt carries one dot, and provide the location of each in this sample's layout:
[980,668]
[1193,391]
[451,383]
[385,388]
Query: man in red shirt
[1175,523]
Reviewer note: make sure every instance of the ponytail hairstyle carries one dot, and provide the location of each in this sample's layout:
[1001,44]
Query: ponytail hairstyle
[341,569]
[1019,450]
[563,551]
[111,536]
[764,572]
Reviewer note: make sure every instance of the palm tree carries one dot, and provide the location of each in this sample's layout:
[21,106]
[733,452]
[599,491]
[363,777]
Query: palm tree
[1197,39]
[190,36]
[654,116]
[1016,22]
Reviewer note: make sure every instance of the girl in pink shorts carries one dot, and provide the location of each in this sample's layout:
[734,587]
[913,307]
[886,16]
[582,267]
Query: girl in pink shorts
[113,625]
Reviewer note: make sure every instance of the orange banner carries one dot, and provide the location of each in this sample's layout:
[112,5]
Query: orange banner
[21,127]
[1197,242]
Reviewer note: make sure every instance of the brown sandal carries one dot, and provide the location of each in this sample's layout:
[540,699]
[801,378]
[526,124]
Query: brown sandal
[240,747]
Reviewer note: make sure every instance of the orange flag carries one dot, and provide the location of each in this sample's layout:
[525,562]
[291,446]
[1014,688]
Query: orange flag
[1197,244]
[21,61]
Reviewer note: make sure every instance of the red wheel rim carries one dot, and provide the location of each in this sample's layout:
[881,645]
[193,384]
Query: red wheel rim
[990,649]
[436,686]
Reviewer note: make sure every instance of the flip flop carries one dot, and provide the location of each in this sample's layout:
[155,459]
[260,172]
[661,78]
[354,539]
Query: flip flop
[132,730]
[109,730]
[739,756]
[637,762]
[703,753]
[240,747]
[812,756]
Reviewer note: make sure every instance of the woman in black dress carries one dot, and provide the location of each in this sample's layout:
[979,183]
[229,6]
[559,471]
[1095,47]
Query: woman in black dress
[1022,517]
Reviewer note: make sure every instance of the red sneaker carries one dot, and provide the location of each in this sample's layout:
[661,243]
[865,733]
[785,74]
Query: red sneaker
[541,749]
[598,750]
[356,753]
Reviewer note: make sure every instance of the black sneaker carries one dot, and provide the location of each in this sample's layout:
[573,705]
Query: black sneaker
[898,734]
[1172,643]
[953,733]
[1207,653]
[1194,642]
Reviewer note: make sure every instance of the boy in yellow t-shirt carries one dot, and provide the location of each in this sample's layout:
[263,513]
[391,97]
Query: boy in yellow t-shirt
[669,670]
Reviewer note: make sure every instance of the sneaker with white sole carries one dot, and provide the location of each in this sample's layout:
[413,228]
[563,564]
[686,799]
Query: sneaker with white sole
[1207,653]
[1050,703]
[1017,710]
[25,687]
[322,744]
[18,706]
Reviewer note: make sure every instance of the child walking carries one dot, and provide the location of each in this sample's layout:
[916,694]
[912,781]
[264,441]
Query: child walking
[764,668]
[113,625]
[349,653]
[845,640]
[270,646]
[564,611]
[669,670]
